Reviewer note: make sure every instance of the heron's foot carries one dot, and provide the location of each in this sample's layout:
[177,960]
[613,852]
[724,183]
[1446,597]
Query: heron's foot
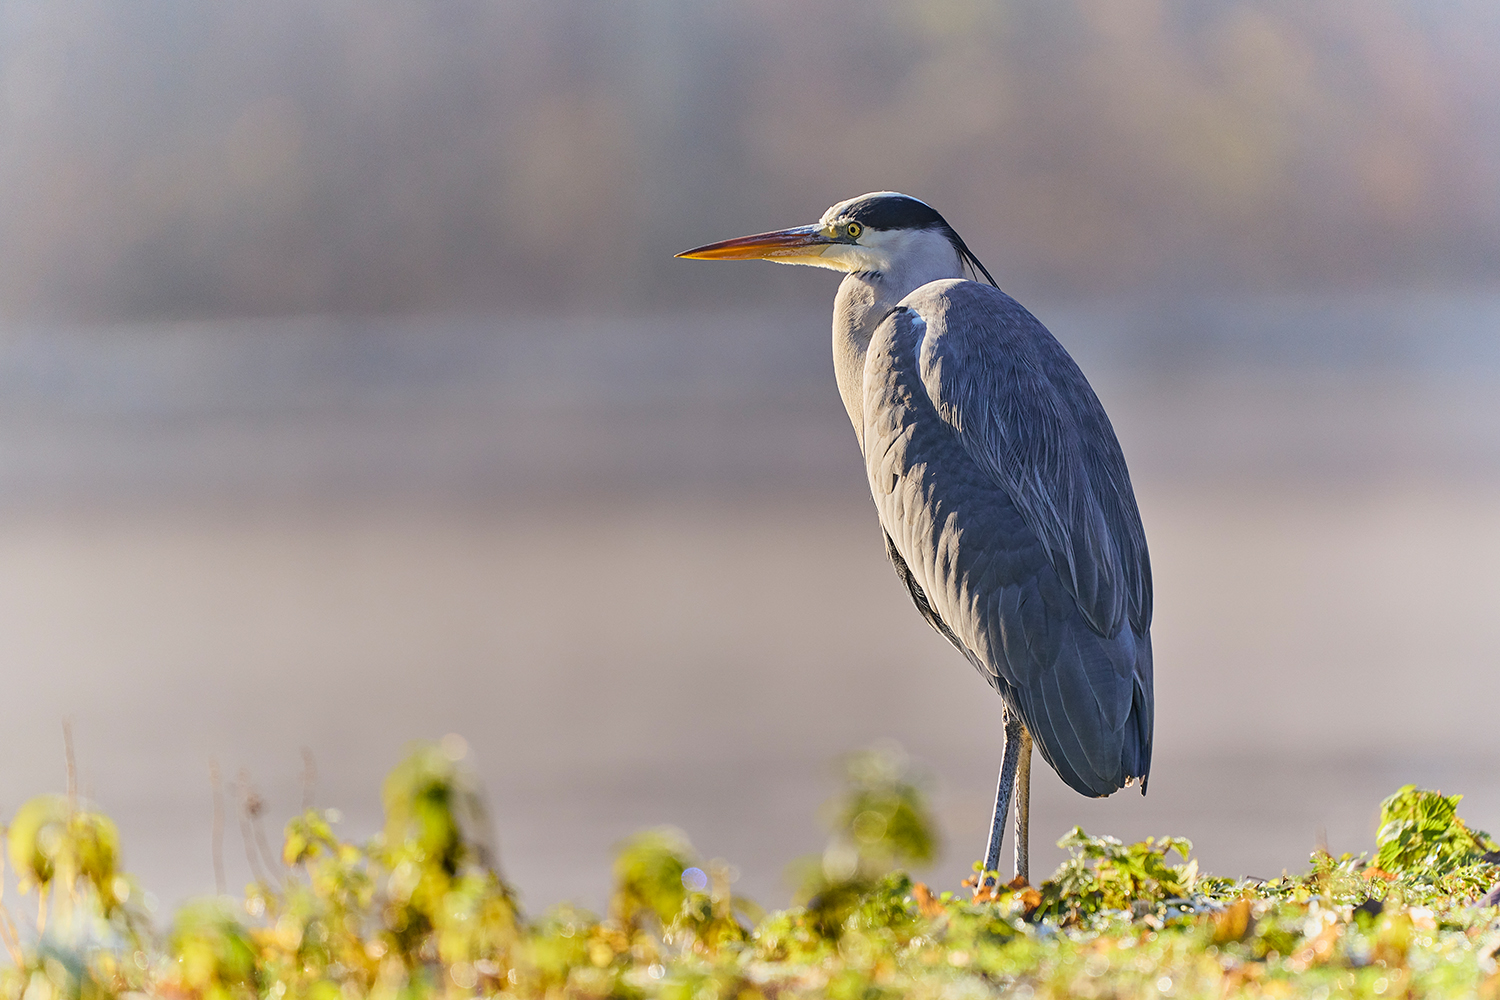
[986,886]
[990,889]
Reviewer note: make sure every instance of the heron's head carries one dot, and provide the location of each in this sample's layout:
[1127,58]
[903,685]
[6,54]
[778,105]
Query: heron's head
[878,232]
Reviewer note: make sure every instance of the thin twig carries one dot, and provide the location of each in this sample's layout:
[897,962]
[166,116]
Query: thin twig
[245,834]
[221,885]
[254,808]
[12,939]
[272,862]
[309,778]
[72,764]
[8,926]
[69,884]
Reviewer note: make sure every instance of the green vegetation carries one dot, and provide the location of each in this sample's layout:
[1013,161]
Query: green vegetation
[421,911]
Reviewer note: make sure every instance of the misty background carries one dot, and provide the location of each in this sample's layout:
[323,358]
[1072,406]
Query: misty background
[350,394]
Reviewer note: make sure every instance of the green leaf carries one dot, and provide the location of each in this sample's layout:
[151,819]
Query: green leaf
[1420,830]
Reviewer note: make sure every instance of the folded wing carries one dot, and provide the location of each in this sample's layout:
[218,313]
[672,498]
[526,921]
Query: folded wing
[1010,516]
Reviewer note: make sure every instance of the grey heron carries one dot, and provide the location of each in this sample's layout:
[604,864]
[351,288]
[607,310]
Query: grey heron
[1006,504]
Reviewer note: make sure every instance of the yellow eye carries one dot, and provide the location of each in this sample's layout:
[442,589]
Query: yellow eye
[853,229]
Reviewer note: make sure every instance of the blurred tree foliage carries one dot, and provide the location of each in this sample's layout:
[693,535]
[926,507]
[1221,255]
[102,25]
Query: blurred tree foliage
[292,155]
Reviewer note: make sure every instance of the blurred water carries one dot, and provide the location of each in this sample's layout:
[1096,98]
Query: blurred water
[634,563]
[1373,385]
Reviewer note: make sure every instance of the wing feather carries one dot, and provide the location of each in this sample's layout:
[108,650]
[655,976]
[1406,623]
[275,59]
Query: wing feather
[1025,413]
[1009,516]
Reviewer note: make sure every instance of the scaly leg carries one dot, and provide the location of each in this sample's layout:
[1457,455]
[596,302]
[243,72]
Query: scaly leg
[1023,807]
[1013,732]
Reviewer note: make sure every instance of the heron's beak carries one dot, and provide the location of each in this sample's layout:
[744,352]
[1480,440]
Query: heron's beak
[784,245]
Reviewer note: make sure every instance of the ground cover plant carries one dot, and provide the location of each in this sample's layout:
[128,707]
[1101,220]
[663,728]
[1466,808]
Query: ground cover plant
[421,910]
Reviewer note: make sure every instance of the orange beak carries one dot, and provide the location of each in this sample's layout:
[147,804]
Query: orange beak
[803,241]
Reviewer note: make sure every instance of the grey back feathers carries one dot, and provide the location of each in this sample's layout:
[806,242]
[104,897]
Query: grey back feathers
[1025,414]
[1009,515]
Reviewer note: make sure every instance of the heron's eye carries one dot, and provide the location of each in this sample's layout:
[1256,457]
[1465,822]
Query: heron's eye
[854,229]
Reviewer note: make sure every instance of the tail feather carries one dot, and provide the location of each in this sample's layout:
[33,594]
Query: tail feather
[1067,713]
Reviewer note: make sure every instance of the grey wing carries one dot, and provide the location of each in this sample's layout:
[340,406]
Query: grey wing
[1024,412]
[1010,517]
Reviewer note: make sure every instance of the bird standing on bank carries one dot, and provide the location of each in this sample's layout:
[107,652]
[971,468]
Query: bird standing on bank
[1006,504]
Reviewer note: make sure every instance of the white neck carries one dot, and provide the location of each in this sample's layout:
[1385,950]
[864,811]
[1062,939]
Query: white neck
[899,263]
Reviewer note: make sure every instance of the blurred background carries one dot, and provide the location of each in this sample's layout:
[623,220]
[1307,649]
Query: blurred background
[350,394]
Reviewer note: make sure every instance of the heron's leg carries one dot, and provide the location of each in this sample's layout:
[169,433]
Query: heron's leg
[1013,731]
[1023,807]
